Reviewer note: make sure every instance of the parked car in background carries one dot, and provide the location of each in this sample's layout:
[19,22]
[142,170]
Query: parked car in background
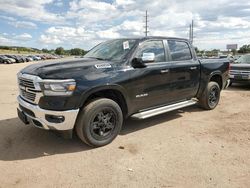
[223,56]
[236,57]
[7,60]
[23,58]
[35,58]
[230,59]
[240,70]
[19,59]
[12,57]
[42,57]
[4,60]
[38,57]
[29,58]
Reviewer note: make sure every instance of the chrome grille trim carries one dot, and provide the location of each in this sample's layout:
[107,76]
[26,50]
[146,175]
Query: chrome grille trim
[239,72]
[26,83]
[29,88]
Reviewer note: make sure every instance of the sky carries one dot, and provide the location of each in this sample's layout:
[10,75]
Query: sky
[85,23]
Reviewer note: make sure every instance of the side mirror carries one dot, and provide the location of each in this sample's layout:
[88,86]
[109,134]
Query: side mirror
[148,57]
[138,63]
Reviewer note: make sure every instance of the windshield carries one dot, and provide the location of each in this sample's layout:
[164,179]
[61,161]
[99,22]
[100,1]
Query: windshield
[245,59]
[112,50]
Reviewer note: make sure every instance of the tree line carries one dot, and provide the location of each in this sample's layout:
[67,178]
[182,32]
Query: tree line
[242,50]
[62,51]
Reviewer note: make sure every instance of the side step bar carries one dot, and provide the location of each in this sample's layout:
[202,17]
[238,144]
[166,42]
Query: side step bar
[163,109]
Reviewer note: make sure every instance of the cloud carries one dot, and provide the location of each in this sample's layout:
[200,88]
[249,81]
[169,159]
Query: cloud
[8,18]
[124,2]
[23,37]
[59,3]
[72,36]
[14,39]
[91,5]
[18,24]
[5,40]
[32,9]
[84,23]
[50,39]
[108,34]
[79,36]
[23,24]
[104,20]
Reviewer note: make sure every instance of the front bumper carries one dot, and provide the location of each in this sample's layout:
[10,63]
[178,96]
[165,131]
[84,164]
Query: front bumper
[240,78]
[37,116]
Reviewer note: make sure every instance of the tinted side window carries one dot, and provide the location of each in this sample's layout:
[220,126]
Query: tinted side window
[155,47]
[179,50]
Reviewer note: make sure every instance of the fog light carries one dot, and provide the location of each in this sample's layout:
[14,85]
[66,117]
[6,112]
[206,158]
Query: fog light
[54,119]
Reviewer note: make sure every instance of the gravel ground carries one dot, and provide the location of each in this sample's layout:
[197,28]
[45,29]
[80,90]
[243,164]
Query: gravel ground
[185,148]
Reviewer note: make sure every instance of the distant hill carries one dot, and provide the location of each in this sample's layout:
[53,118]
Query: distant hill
[19,49]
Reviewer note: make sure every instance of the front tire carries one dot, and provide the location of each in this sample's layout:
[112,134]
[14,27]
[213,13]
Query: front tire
[211,96]
[99,122]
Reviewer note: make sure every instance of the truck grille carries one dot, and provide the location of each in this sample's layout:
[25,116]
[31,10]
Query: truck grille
[26,83]
[27,89]
[239,72]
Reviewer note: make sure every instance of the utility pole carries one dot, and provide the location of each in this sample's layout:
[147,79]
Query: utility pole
[146,24]
[191,32]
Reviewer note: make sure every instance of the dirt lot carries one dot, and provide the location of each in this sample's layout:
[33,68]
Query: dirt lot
[189,148]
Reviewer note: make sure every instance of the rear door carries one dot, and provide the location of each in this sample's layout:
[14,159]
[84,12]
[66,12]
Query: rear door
[185,70]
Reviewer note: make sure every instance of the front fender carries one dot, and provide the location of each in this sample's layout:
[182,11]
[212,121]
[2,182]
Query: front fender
[85,95]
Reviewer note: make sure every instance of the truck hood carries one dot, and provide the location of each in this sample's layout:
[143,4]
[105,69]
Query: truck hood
[67,69]
[243,67]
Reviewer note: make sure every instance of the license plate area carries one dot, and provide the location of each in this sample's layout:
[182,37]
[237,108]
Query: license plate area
[240,77]
[245,77]
[237,77]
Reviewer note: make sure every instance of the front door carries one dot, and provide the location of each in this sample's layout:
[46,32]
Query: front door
[150,85]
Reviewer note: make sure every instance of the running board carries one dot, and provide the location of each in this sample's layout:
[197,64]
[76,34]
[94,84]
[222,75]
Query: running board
[163,109]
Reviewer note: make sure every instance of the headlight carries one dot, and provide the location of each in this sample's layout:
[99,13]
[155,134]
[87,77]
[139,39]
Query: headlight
[58,87]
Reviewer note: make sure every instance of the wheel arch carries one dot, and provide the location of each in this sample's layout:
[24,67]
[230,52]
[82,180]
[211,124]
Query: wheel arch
[216,77]
[113,92]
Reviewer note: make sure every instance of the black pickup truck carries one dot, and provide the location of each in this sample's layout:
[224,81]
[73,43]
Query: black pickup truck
[137,77]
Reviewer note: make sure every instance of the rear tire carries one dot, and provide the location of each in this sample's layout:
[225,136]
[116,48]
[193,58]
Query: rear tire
[211,96]
[99,122]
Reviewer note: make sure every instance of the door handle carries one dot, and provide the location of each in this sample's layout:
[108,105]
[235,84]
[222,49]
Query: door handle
[193,68]
[164,71]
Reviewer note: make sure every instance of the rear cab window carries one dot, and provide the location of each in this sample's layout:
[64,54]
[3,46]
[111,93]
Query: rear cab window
[179,50]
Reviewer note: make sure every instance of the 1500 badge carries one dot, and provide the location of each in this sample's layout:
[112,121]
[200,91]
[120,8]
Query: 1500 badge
[142,95]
